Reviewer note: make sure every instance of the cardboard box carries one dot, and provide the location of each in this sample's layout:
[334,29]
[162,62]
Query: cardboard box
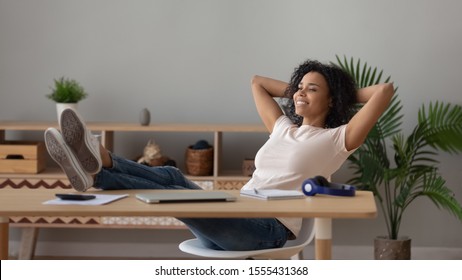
[22,157]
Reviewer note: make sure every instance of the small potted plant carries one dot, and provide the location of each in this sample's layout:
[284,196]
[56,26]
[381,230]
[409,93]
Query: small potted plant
[66,93]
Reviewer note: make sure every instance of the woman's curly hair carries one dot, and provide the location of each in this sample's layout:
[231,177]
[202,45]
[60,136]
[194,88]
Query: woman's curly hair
[342,89]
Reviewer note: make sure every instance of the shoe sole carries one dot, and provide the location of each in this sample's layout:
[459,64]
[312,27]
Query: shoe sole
[77,137]
[62,155]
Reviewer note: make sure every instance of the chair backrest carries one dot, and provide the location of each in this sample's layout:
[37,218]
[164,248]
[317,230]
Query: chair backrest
[306,234]
[291,248]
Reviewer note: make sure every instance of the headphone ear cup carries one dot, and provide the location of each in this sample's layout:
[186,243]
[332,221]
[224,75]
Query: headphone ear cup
[319,185]
[322,181]
[310,187]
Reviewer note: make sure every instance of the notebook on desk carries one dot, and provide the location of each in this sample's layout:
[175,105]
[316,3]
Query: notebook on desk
[273,194]
[185,196]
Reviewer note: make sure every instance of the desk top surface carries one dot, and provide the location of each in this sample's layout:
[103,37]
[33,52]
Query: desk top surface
[29,202]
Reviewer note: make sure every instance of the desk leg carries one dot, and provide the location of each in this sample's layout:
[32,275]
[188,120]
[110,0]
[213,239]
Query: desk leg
[28,243]
[323,238]
[107,140]
[4,238]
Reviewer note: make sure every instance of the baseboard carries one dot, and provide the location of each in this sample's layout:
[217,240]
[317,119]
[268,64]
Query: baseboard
[367,253]
[63,250]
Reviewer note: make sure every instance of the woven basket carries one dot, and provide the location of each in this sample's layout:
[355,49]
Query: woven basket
[199,162]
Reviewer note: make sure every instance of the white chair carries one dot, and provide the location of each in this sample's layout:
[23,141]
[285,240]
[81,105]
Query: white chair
[291,248]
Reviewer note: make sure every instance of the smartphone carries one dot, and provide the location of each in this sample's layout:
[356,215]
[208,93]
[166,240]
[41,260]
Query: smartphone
[72,196]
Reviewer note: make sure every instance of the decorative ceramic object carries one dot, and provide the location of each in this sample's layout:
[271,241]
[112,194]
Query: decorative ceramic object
[61,106]
[145,117]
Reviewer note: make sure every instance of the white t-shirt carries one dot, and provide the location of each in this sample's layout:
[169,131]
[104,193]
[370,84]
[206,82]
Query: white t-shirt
[293,154]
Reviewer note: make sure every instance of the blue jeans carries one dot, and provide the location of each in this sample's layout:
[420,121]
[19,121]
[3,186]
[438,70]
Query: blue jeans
[216,233]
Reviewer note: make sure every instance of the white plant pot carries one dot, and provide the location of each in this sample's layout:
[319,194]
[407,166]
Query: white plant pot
[61,106]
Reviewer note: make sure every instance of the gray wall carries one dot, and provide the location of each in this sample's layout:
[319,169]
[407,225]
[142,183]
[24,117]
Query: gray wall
[191,62]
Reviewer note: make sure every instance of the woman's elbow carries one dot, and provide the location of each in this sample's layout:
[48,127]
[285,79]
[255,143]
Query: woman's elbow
[389,89]
[255,80]
[385,93]
[256,84]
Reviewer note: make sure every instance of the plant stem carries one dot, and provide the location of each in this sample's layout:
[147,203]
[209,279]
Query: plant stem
[389,211]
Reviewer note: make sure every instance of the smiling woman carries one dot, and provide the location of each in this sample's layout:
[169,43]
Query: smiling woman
[320,130]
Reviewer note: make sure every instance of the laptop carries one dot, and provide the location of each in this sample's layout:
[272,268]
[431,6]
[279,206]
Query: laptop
[185,196]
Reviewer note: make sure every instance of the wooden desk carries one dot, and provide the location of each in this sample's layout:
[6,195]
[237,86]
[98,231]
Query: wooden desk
[28,202]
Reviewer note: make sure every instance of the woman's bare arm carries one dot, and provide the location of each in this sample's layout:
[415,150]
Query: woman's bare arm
[376,99]
[264,91]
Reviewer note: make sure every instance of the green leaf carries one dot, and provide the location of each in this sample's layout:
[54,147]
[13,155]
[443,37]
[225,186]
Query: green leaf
[442,126]
[434,187]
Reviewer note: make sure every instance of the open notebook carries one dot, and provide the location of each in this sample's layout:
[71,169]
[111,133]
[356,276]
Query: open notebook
[273,194]
[185,196]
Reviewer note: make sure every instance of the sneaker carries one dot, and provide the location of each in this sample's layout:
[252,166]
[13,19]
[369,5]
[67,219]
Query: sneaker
[61,153]
[84,145]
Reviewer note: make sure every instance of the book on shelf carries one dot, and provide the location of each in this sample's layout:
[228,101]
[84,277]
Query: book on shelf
[273,194]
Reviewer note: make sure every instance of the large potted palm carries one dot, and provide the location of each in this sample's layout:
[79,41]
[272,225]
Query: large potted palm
[400,169]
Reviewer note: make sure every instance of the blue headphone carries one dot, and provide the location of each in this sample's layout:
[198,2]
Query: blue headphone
[320,185]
